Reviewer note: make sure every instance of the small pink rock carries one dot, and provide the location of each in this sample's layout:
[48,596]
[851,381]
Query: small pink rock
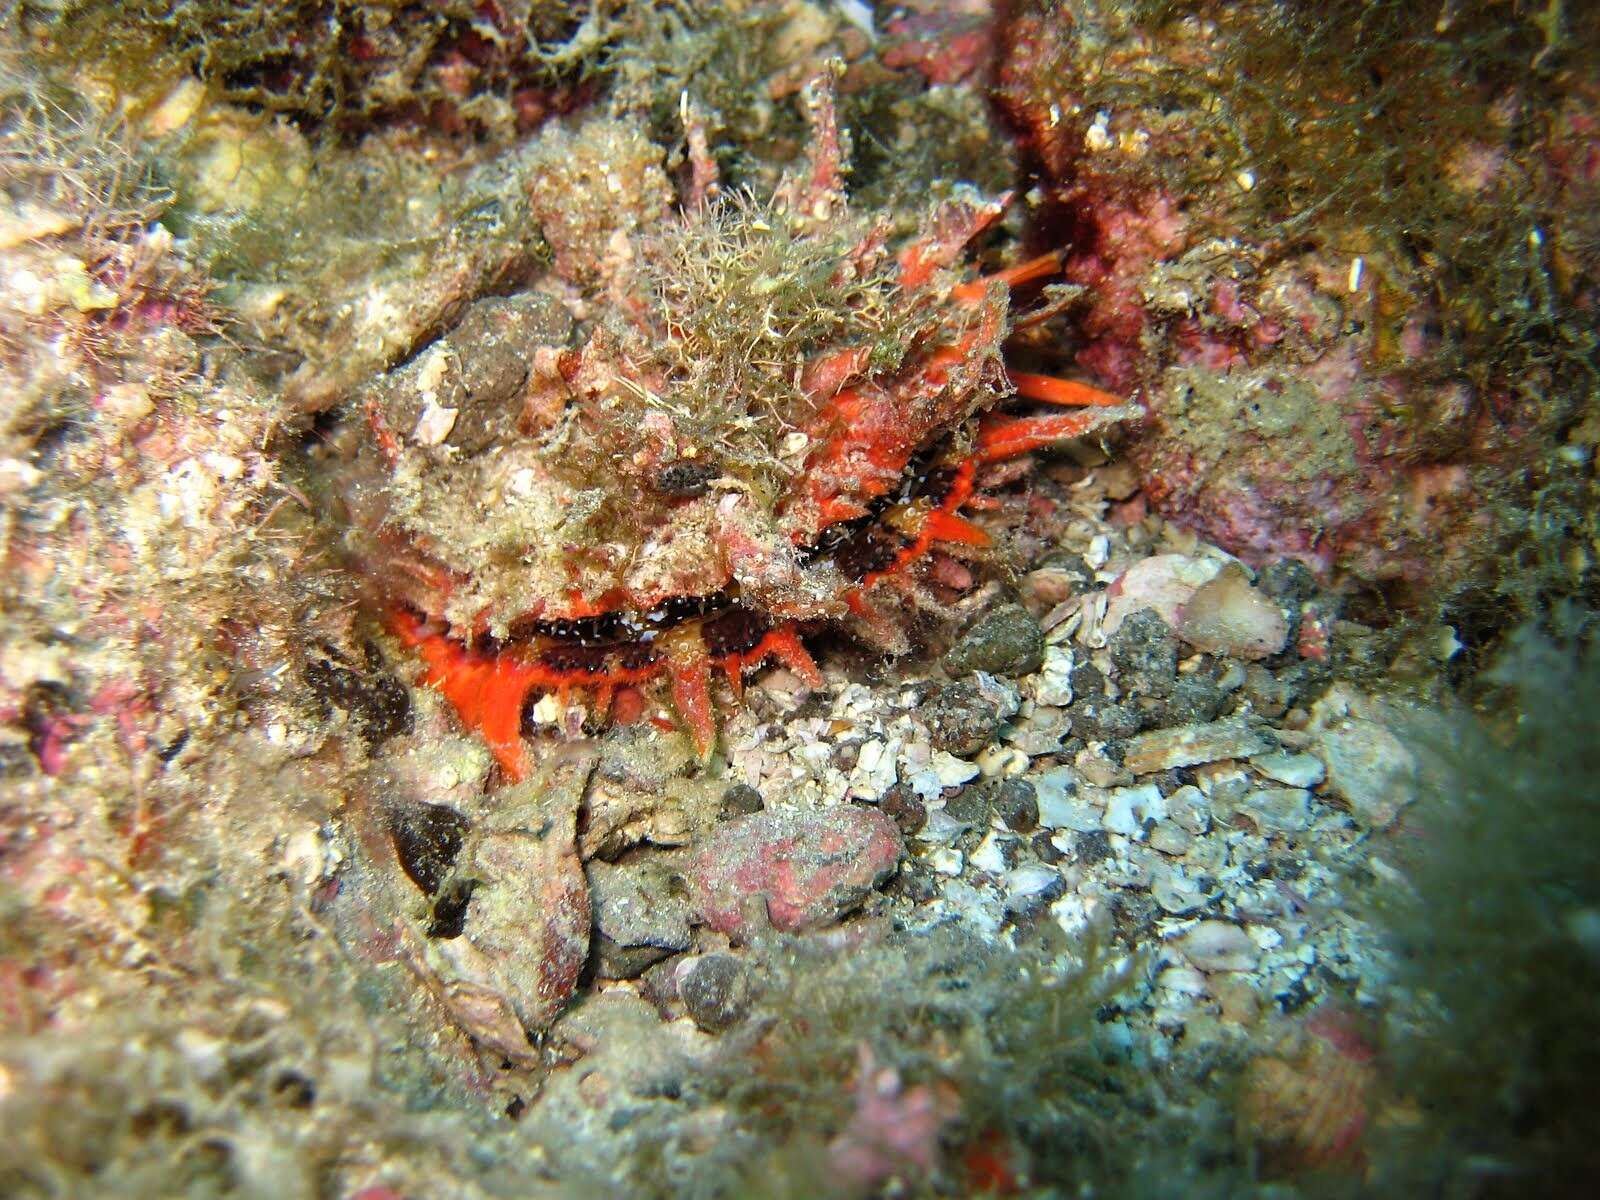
[810,867]
[1228,616]
[1163,582]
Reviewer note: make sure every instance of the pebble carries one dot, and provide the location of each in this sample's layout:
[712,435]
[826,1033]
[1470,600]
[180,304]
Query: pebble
[1295,770]
[1189,809]
[1088,681]
[996,854]
[1127,809]
[1102,720]
[1219,946]
[1055,792]
[1267,694]
[960,719]
[1099,769]
[1002,762]
[1237,998]
[1280,810]
[1170,838]
[740,800]
[1188,745]
[1083,918]
[637,919]
[952,771]
[1043,845]
[1288,580]
[716,991]
[1184,979]
[1053,683]
[1195,699]
[1016,803]
[1226,780]
[1093,847]
[1229,616]
[1006,641]
[1370,768]
[1145,652]
[905,808]
[1176,892]
[941,827]
[971,806]
[1031,887]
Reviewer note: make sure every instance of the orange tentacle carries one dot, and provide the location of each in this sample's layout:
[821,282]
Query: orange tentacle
[690,672]
[784,645]
[1065,392]
[1000,438]
[942,524]
[1034,269]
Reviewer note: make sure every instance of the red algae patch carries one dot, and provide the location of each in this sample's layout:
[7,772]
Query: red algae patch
[810,868]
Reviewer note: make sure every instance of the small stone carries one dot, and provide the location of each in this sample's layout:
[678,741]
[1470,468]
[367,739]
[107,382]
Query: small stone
[1145,653]
[1278,810]
[637,919]
[1288,580]
[946,860]
[949,770]
[1052,686]
[1016,803]
[972,805]
[434,424]
[1222,781]
[1238,1000]
[1195,699]
[905,808]
[1185,980]
[1368,766]
[1044,847]
[1190,810]
[1101,720]
[1187,745]
[996,854]
[1006,641]
[810,868]
[740,800]
[1127,810]
[1170,838]
[1100,769]
[1267,694]
[1087,681]
[1055,792]
[915,882]
[1295,770]
[1229,616]
[1031,887]
[1002,762]
[1092,848]
[941,828]
[1176,892]
[716,991]
[1070,568]
[1219,946]
[960,719]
